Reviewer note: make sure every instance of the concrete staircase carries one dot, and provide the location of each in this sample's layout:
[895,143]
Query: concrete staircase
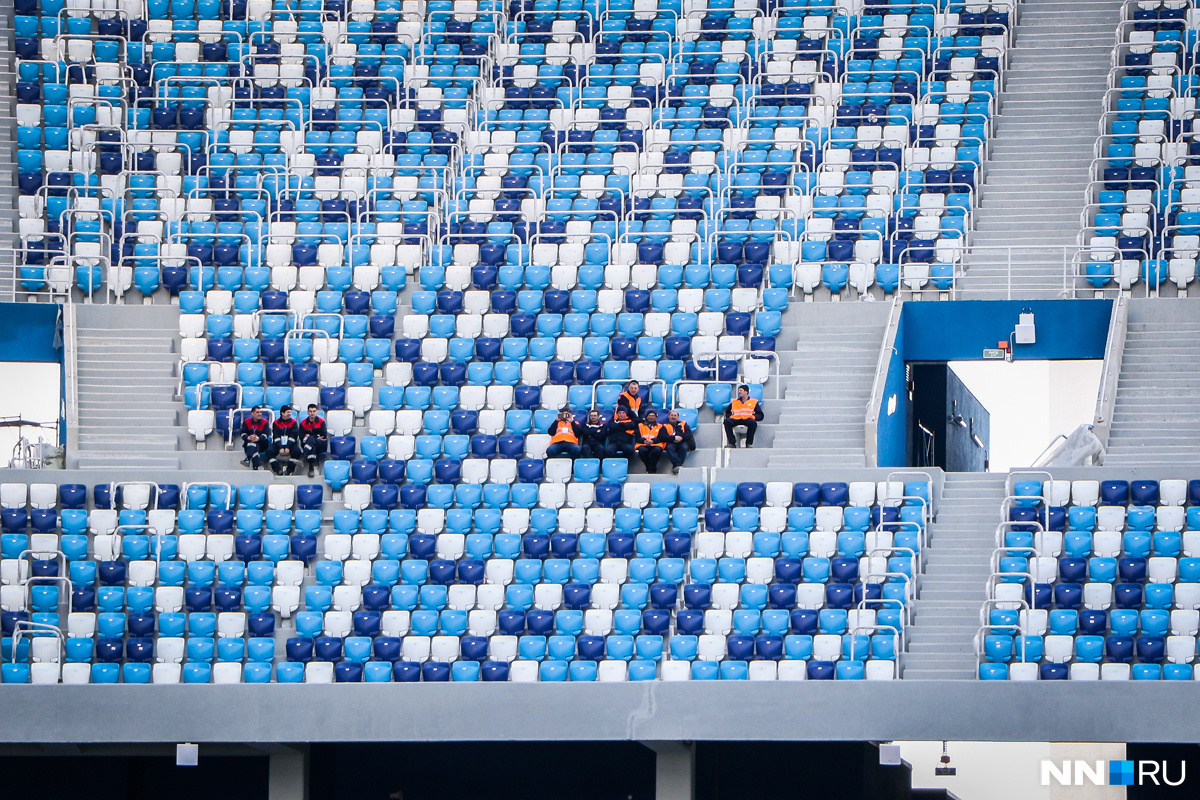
[1156,419]
[828,373]
[127,366]
[1041,151]
[946,616]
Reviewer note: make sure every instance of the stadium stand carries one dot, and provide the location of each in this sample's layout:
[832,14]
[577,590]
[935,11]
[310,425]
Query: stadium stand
[1093,579]
[606,581]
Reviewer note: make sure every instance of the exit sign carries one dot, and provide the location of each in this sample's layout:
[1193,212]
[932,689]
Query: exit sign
[993,352]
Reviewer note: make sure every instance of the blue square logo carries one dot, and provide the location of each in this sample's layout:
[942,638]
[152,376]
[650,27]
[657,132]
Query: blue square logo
[1120,773]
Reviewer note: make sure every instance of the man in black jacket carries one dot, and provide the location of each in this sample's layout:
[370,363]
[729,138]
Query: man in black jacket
[621,436]
[681,440]
[314,438]
[594,431]
[285,435]
[256,438]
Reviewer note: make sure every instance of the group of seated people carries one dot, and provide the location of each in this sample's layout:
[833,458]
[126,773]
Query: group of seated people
[634,430]
[286,442]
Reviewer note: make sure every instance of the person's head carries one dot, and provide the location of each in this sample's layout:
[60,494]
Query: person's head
[256,413]
[743,392]
[673,417]
[621,415]
[565,414]
[593,417]
[285,413]
[651,417]
[632,387]
[312,410]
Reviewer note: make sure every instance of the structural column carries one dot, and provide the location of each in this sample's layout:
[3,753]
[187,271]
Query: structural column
[674,770]
[288,775]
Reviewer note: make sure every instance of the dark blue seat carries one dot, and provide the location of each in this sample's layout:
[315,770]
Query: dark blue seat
[437,671]
[531,470]
[656,621]
[262,624]
[385,496]
[407,672]
[690,622]
[789,570]
[821,670]
[1127,595]
[590,648]
[366,623]
[493,671]
[1054,672]
[621,545]
[310,496]
[540,622]
[446,470]
[809,494]
[751,494]
[1072,570]
[697,595]
[391,471]
[386,648]
[1114,493]
[510,623]
[717,519]
[299,649]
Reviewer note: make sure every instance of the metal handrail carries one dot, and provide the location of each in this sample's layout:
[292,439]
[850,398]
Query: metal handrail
[1114,350]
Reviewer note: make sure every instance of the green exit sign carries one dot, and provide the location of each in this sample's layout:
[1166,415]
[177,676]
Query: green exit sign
[993,352]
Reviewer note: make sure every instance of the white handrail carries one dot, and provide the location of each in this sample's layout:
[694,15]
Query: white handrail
[71,373]
[1114,351]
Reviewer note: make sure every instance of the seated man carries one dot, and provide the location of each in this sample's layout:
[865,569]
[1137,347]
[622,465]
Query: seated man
[314,438]
[256,439]
[565,434]
[620,439]
[593,432]
[681,440]
[285,440]
[651,441]
[744,412]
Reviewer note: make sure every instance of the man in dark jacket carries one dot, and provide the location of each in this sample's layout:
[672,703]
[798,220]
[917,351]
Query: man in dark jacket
[621,436]
[593,433]
[256,438]
[681,440]
[565,435]
[285,436]
[314,438]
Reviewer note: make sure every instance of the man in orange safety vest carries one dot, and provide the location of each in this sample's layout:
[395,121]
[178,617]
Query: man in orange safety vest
[744,412]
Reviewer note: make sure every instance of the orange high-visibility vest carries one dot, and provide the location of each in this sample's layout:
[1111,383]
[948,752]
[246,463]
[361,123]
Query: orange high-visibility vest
[740,410]
[564,432]
[635,402]
[651,431]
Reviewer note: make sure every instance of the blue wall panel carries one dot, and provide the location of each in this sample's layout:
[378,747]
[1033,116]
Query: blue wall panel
[28,332]
[893,428]
[959,331]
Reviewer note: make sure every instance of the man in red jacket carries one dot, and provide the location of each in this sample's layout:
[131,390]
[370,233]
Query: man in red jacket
[314,438]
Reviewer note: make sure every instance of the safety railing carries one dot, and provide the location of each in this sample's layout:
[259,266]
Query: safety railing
[1114,351]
